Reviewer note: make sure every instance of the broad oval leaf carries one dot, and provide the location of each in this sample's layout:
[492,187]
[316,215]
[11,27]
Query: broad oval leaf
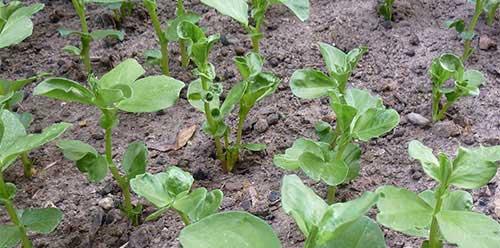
[302,203]
[135,159]
[195,97]
[310,84]
[474,168]
[362,233]
[375,122]
[424,154]
[18,25]
[65,90]
[290,160]
[103,33]
[403,211]
[75,150]
[362,100]
[299,7]
[11,128]
[41,220]
[124,73]
[332,172]
[454,200]
[152,94]
[236,9]
[199,204]
[229,230]
[9,236]
[469,229]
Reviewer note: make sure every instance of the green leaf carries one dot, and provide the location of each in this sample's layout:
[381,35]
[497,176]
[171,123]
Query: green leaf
[471,169]
[331,172]
[361,233]
[255,147]
[335,59]
[12,129]
[15,30]
[345,115]
[232,99]
[469,229]
[135,159]
[171,31]
[362,100]
[75,150]
[32,141]
[403,211]
[260,86]
[65,90]
[41,220]
[458,25]
[151,94]
[11,190]
[429,162]
[195,95]
[199,204]
[72,50]
[236,9]
[375,122]
[161,189]
[95,166]
[310,84]
[302,203]
[342,214]
[454,200]
[153,56]
[299,7]
[125,73]
[64,32]
[290,160]
[249,65]
[229,230]
[101,34]
[9,236]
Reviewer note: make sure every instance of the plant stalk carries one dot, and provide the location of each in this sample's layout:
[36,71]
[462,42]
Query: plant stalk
[27,165]
[85,37]
[470,29]
[11,211]
[182,44]
[330,195]
[121,180]
[436,98]
[164,62]
[434,236]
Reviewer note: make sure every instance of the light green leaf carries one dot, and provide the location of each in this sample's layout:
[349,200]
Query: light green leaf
[403,211]
[229,230]
[171,31]
[41,220]
[11,190]
[249,65]
[469,229]
[375,122]
[332,172]
[195,95]
[310,84]
[32,141]
[236,9]
[454,200]
[75,150]
[9,236]
[255,147]
[101,34]
[199,204]
[15,31]
[72,50]
[473,168]
[290,160]
[362,233]
[11,128]
[302,203]
[135,159]
[429,162]
[362,100]
[125,73]
[65,90]
[345,115]
[95,166]
[335,59]
[232,98]
[64,32]
[152,94]
[299,7]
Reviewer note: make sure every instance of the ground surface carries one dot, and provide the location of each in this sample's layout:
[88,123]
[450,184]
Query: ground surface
[395,68]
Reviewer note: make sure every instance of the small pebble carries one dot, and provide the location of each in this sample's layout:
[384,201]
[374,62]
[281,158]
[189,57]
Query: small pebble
[485,43]
[240,51]
[418,119]
[261,125]
[446,129]
[106,203]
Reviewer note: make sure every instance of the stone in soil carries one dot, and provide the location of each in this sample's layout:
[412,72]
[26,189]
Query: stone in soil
[106,203]
[446,129]
[486,43]
[261,125]
[418,119]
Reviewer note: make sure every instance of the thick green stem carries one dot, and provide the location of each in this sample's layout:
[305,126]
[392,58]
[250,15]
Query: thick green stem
[185,218]
[11,211]
[164,62]
[436,98]
[442,113]
[121,180]
[27,165]
[434,236]
[235,154]
[330,195]
[85,37]
[182,44]
[470,29]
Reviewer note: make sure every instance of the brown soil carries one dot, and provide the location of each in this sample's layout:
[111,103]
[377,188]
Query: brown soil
[395,68]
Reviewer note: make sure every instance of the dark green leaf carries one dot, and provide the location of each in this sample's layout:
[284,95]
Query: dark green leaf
[41,220]
[309,84]
[135,159]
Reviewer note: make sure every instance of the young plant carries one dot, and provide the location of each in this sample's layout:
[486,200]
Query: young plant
[467,34]
[13,143]
[15,22]
[86,37]
[337,225]
[466,83]
[171,190]
[169,34]
[229,229]
[490,8]
[119,89]
[360,116]
[385,9]
[204,94]
[238,10]
[120,8]
[444,215]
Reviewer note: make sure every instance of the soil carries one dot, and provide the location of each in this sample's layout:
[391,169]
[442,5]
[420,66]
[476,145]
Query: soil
[394,68]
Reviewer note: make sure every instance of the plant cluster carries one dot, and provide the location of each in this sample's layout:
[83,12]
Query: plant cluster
[360,116]
[385,9]
[15,22]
